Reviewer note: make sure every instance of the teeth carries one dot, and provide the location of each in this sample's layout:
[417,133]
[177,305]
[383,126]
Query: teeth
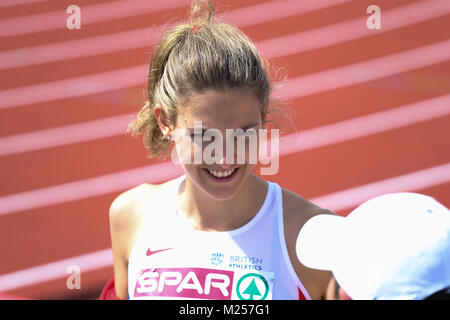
[221,174]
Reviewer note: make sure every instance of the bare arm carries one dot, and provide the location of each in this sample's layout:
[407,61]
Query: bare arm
[118,233]
[124,219]
[297,211]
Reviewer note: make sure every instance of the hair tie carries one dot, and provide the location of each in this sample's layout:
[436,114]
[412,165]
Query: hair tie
[195,28]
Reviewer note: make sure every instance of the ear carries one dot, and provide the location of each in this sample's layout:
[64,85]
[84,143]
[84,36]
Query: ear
[162,119]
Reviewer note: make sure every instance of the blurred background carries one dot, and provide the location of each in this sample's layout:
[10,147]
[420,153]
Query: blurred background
[371,109]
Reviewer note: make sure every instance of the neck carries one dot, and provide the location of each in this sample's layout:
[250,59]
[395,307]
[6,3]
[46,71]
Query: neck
[208,214]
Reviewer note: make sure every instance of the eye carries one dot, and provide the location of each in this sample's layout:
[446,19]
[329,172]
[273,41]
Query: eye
[205,135]
[238,132]
[242,132]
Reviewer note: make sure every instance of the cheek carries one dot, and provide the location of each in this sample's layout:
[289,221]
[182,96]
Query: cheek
[194,174]
[192,171]
[187,152]
[247,150]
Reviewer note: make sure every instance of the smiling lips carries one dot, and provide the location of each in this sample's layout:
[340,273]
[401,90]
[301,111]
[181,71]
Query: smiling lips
[221,174]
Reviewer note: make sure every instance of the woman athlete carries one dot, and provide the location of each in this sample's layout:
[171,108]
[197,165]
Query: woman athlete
[219,231]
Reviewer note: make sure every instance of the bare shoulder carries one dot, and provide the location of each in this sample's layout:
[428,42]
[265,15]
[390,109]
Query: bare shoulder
[296,211]
[122,211]
[127,211]
[126,214]
[126,199]
[129,207]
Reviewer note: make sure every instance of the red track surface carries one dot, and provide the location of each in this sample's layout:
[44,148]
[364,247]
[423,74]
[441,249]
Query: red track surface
[47,235]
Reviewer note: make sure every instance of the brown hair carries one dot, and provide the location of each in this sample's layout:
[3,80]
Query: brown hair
[191,58]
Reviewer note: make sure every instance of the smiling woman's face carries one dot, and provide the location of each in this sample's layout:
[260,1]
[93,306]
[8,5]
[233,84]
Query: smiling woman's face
[218,110]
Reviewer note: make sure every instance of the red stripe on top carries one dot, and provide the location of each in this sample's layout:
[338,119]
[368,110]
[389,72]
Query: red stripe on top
[301,296]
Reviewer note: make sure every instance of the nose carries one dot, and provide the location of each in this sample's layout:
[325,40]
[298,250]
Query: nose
[223,164]
[223,159]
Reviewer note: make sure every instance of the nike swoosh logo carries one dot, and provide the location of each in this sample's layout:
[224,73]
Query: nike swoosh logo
[150,252]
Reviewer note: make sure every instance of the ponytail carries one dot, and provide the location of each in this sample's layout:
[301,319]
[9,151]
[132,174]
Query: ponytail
[191,58]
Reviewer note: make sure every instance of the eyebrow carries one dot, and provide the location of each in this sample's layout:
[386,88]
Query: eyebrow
[246,127]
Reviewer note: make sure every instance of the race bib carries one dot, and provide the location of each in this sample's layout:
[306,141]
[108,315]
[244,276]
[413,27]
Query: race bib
[204,283]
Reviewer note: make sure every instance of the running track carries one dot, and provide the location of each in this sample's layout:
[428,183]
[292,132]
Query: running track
[371,108]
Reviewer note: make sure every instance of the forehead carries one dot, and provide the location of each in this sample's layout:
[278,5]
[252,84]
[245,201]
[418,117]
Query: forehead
[220,109]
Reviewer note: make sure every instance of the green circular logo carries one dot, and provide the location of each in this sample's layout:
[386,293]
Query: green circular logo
[252,288]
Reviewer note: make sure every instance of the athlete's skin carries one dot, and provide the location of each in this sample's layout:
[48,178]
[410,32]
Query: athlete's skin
[206,204]
[335,292]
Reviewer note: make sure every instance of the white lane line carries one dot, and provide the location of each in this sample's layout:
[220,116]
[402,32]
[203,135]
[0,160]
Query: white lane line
[284,45]
[55,270]
[301,86]
[12,3]
[367,70]
[296,142]
[93,13]
[59,136]
[266,11]
[344,199]
[353,29]
[423,179]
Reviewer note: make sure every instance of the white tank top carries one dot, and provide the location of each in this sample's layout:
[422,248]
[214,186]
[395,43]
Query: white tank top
[172,260]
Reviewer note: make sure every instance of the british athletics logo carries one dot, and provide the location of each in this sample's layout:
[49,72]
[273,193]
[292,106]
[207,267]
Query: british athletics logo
[203,283]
